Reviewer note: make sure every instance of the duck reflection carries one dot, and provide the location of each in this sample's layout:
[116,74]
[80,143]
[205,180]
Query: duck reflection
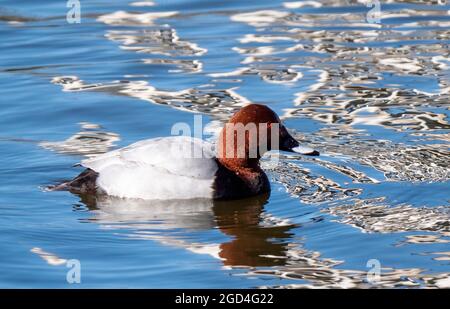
[257,239]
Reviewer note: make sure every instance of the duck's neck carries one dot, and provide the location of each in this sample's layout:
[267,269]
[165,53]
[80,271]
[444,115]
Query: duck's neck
[237,164]
[249,171]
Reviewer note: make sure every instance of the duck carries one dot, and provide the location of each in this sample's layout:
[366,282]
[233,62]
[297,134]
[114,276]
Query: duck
[184,167]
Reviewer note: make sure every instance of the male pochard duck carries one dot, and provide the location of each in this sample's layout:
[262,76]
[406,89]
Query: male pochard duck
[150,169]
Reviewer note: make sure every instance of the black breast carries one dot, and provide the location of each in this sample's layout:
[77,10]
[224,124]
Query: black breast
[228,185]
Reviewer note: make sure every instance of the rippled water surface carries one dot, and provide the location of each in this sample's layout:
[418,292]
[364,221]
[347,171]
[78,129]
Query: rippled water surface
[372,97]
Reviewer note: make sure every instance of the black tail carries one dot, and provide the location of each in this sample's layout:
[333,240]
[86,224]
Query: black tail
[85,183]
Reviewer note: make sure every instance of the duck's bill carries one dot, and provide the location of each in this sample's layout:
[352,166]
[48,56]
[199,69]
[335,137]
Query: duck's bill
[305,151]
[288,143]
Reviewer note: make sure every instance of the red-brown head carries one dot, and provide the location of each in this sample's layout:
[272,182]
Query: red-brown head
[251,132]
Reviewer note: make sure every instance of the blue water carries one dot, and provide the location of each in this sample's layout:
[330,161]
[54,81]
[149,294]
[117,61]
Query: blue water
[372,97]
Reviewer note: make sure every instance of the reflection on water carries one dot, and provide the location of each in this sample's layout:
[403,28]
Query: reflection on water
[208,101]
[90,142]
[373,98]
[163,41]
[253,238]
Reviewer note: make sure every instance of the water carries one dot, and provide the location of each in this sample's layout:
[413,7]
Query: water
[372,97]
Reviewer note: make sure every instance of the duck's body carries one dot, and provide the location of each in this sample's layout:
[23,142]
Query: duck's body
[181,167]
[176,167]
